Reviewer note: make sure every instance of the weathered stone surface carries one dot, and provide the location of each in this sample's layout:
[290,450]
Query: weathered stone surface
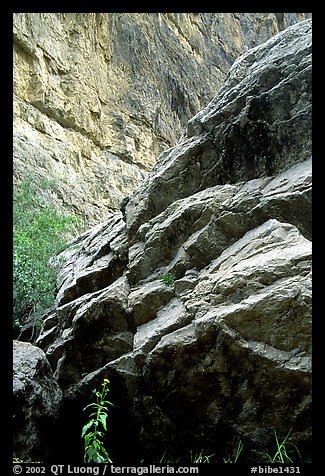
[251,309]
[224,352]
[244,133]
[97,96]
[192,231]
[37,400]
[95,260]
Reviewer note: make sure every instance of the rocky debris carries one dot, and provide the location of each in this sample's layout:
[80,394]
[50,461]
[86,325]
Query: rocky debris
[36,403]
[97,96]
[225,351]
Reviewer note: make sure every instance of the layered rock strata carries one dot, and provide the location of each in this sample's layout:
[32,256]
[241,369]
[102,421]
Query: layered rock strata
[224,352]
[97,96]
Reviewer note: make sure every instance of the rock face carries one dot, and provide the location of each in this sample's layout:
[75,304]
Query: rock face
[97,96]
[37,400]
[225,351]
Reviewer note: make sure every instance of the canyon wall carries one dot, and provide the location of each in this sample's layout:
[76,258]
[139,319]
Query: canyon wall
[98,96]
[194,299]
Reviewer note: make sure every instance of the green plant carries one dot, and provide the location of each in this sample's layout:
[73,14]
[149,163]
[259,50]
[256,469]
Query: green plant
[40,231]
[168,279]
[281,454]
[94,451]
[236,453]
[165,459]
[201,457]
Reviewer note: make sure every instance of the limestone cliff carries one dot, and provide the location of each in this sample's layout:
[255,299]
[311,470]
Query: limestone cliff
[97,96]
[225,351]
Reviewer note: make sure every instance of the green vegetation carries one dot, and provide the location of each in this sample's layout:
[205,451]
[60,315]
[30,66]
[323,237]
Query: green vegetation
[168,279]
[204,456]
[94,451]
[236,453]
[201,457]
[40,231]
[281,453]
[194,457]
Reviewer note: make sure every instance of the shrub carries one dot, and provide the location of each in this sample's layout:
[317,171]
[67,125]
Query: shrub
[40,231]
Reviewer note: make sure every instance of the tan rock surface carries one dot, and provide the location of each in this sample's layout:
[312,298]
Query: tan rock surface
[97,96]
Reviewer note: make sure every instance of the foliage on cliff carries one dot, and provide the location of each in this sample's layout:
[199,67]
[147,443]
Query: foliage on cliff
[40,231]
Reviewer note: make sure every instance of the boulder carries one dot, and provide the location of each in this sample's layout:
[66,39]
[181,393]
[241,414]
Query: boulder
[224,350]
[36,403]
